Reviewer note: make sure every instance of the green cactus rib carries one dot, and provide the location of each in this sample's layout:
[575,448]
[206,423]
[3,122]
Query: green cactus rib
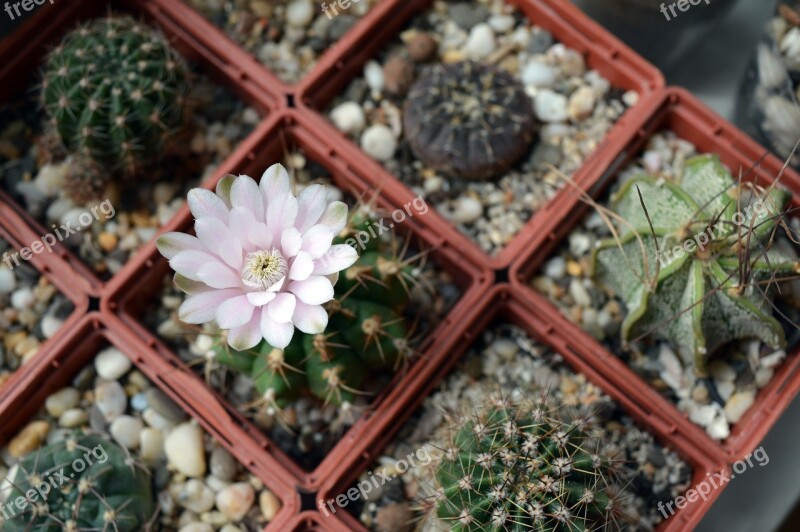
[93,485]
[114,90]
[525,467]
[695,299]
[366,331]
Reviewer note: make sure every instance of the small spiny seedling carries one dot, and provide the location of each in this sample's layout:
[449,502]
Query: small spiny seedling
[114,90]
[469,119]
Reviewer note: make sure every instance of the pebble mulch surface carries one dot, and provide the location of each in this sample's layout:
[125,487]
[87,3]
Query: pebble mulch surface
[737,373]
[32,312]
[287,36]
[507,359]
[200,487]
[313,428]
[575,105]
[33,170]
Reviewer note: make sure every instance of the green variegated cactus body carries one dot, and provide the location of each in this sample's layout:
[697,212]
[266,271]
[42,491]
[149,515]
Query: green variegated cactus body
[524,467]
[83,483]
[114,89]
[697,276]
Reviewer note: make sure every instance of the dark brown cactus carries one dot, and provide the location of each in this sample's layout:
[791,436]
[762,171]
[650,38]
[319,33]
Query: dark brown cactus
[468,119]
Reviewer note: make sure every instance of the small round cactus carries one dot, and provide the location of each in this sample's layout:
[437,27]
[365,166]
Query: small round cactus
[702,281]
[523,466]
[85,181]
[469,119]
[114,90]
[85,482]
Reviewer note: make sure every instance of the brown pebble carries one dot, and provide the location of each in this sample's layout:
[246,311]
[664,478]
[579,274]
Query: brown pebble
[395,517]
[422,47]
[789,15]
[107,241]
[29,438]
[398,75]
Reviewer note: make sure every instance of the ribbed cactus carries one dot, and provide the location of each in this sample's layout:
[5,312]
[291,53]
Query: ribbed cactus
[715,290]
[366,330]
[522,466]
[114,89]
[83,483]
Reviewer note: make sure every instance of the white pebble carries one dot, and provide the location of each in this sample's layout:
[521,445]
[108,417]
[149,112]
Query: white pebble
[156,420]
[269,505]
[184,450]
[61,401]
[379,142]
[579,293]
[197,527]
[773,359]
[555,268]
[738,404]
[725,389]
[501,23]
[480,42]
[704,415]
[126,429]
[51,177]
[465,210]
[299,13]
[763,376]
[23,298]
[538,74]
[721,371]
[348,117]
[581,104]
[236,500]
[151,443]
[7,280]
[373,74]
[73,418]
[579,244]
[652,161]
[110,399]
[51,325]
[550,106]
[719,428]
[111,364]
[194,496]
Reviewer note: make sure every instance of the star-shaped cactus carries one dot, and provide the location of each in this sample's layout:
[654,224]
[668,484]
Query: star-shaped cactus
[694,259]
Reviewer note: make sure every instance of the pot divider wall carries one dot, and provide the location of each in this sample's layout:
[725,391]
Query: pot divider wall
[603,52]
[16,66]
[13,231]
[680,112]
[502,305]
[132,295]
[311,521]
[79,347]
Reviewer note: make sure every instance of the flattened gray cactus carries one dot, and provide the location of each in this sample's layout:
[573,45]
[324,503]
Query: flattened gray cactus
[707,282]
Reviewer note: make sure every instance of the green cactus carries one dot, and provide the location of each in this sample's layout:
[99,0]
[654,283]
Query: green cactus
[522,466]
[114,90]
[712,292]
[366,329]
[83,483]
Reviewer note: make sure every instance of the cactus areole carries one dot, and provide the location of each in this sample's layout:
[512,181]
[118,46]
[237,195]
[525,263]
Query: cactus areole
[706,284]
[114,90]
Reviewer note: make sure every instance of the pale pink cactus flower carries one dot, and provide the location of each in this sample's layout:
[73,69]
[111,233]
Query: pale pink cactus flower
[262,262]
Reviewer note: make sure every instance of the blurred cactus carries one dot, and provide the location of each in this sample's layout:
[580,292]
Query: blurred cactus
[110,493]
[524,466]
[85,181]
[715,291]
[114,90]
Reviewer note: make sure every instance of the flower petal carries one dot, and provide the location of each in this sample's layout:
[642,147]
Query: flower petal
[202,308]
[311,203]
[315,290]
[337,258]
[276,334]
[188,262]
[212,232]
[274,183]
[245,193]
[234,312]
[291,241]
[203,202]
[302,267]
[335,216]
[259,299]
[188,286]
[282,308]
[170,244]
[310,319]
[217,275]
[317,240]
[224,189]
[248,335]
[281,213]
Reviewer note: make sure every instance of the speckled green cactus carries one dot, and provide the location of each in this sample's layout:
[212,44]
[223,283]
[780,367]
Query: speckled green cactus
[366,329]
[521,466]
[705,284]
[83,483]
[114,89]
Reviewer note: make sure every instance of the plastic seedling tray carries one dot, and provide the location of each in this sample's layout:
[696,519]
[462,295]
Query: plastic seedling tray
[680,112]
